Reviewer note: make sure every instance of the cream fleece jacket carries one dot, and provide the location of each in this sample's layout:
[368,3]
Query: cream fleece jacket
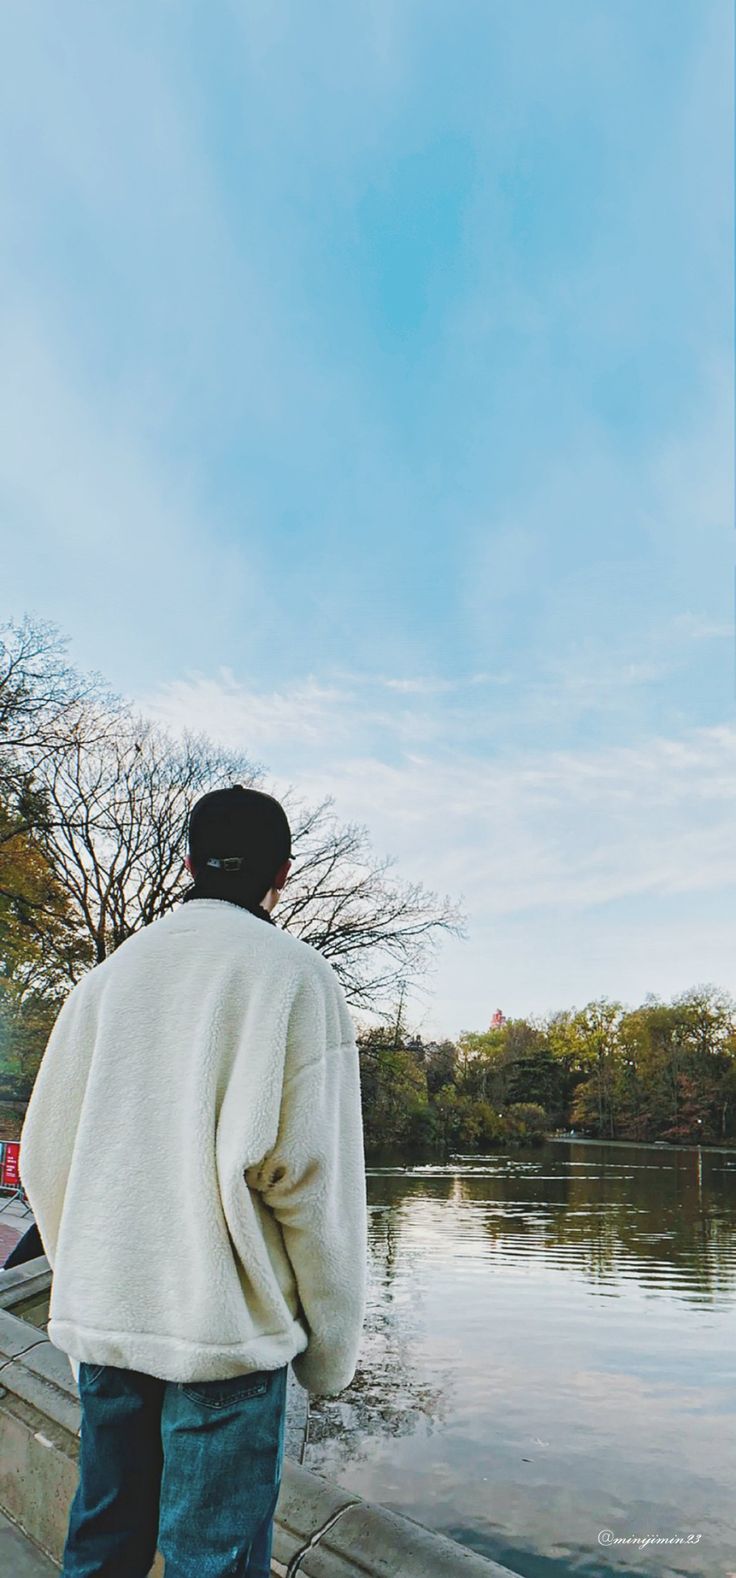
[193,1156]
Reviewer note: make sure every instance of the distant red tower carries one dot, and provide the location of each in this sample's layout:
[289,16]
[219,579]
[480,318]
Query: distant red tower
[498,1020]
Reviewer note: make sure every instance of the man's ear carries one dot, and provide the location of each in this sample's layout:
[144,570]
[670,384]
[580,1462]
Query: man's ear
[279,880]
[188,864]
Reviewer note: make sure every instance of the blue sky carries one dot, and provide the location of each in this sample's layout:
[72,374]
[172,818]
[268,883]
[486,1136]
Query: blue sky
[368,402]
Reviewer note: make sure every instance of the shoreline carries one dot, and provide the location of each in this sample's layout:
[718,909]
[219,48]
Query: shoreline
[647,1145]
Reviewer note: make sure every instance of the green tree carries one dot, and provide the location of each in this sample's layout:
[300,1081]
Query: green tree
[439,1063]
[526,1122]
[595,1031]
[393,1090]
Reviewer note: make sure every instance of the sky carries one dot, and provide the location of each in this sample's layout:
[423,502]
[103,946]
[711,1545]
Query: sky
[368,403]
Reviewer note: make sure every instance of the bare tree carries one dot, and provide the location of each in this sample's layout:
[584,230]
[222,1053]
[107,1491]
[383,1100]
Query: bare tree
[116,822]
[115,837]
[378,932]
[106,794]
[39,692]
[41,698]
[36,683]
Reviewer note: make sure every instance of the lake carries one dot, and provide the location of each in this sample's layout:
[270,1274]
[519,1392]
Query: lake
[550,1352]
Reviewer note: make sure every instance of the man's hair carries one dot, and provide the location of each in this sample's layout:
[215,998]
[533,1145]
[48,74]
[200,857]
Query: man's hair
[238,839]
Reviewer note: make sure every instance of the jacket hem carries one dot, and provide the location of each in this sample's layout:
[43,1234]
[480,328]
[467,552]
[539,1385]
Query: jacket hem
[175,1358]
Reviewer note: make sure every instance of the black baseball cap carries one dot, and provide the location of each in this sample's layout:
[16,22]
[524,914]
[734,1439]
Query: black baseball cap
[239,830]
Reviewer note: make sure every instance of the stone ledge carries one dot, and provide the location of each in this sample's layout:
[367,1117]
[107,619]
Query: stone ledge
[366,1539]
[17,1337]
[307,1505]
[32,1368]
[38,1477]
[27,1281]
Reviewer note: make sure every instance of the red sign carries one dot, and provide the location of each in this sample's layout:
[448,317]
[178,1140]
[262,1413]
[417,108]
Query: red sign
[10,1178]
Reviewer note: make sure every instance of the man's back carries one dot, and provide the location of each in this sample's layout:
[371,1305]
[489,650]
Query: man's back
[196,1113]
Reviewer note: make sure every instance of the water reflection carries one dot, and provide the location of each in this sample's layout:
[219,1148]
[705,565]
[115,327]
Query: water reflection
[390,1396]
[549,1351]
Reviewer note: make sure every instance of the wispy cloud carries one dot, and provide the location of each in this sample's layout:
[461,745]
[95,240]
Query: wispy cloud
[421,687]
[306,714]
[573,830]
[548,849]
[517,829]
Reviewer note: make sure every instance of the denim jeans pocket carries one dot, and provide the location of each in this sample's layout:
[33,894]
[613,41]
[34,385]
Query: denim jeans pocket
[234,1389]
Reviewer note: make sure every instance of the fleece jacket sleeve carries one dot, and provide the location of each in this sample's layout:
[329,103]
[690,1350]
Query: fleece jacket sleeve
[314,1182]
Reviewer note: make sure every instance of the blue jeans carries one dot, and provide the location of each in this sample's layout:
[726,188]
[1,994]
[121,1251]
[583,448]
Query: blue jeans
[191,1468]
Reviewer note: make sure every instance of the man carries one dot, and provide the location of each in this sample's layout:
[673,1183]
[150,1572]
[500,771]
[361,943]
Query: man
[193,1156]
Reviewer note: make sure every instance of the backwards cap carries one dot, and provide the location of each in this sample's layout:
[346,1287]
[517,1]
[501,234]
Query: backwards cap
[239,824]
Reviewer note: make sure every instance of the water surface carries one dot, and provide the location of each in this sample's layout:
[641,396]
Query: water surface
[550,1352]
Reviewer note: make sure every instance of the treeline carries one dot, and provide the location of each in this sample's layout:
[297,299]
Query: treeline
[658,1072]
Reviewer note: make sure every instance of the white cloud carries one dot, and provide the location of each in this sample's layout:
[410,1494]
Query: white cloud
[307,713]
[556,844]
[419,686]
[519,829]
[567,829]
